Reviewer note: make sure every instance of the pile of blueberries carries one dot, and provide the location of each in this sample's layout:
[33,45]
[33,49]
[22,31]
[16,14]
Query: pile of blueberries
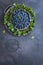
[20,19]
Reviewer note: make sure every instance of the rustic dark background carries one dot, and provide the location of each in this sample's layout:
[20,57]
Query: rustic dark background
[22,50]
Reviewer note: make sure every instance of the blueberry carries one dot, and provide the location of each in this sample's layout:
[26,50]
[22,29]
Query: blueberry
[20,18]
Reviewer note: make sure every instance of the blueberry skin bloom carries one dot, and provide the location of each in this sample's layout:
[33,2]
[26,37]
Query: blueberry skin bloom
[20,19]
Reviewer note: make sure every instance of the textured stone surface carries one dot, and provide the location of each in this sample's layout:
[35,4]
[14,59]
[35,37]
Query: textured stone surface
[28,51]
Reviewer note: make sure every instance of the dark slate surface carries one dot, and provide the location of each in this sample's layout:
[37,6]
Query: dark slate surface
[22,50]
